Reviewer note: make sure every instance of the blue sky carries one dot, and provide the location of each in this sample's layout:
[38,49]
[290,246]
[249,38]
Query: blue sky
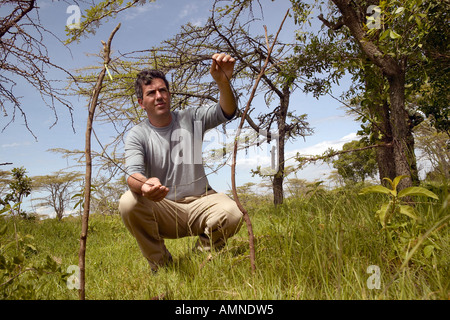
[142,28]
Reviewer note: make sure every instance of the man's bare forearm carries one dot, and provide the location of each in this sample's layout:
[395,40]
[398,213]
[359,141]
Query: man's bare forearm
[227,100]
[136,181]
[222,67]
[149,188]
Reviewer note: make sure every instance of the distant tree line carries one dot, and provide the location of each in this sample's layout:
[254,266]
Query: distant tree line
[59,191]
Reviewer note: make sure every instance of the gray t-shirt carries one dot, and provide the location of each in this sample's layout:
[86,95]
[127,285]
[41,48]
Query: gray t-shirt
[173,153]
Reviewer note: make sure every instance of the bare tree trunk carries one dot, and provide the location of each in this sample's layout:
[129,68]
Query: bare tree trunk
[87,190]
[381,124]
[404,157]
[277,183]
[277,180]
[385,155]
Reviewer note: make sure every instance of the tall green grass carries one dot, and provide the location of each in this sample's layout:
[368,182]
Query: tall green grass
[309,248]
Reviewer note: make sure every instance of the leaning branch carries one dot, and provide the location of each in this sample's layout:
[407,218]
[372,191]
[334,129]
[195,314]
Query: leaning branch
[333,26]
[333,153]
[12,20]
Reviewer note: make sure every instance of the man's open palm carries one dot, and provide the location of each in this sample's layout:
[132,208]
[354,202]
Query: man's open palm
[153,190]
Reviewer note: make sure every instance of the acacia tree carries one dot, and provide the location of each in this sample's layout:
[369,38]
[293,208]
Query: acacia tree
[25,57]
[57,185]
[374,107]
[107,195]
[88,159]
[393,68]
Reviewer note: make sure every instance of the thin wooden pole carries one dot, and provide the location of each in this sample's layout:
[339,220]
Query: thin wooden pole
[87,188]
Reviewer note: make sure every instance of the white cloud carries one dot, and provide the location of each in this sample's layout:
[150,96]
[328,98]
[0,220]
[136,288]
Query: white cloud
[262,157]
[15,144]
[133,13]
[10,145]
[323,146]
[45,212]
[187,10]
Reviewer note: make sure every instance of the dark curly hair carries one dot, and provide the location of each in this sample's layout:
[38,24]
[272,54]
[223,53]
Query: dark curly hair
[145,77]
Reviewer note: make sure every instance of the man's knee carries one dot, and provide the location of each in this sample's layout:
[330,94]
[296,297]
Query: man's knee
[233,216]
[127,203]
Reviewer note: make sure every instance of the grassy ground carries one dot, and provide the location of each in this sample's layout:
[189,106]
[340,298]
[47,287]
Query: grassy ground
[310,248]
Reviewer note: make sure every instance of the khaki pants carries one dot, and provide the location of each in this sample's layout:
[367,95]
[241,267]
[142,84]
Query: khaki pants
[214,217]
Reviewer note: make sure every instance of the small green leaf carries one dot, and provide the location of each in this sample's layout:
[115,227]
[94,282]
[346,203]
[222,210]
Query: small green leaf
[384,34]
[382,213]
[417,191]
[408,211]
[397,181]
[428,250]
[31,247]
[375,189]
[399,10]
[394,35]
[3,230]
[419,23]
[387,179]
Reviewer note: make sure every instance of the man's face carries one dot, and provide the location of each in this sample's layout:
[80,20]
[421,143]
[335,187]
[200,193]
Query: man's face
[156,102]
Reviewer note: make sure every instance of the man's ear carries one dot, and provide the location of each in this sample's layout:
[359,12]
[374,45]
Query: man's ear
[140,103]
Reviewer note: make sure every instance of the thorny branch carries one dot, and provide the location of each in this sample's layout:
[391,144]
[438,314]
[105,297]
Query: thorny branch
[24,57]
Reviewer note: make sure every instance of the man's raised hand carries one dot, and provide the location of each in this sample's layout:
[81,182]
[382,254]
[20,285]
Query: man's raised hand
[222,67]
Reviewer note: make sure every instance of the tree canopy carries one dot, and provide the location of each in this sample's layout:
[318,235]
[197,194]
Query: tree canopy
[358,165]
